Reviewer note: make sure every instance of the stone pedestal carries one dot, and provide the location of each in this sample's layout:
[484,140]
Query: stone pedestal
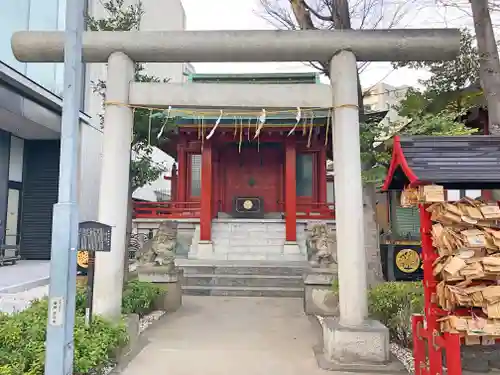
[363,348]
[291,248]
[171,300]
[205,250]
[319,296]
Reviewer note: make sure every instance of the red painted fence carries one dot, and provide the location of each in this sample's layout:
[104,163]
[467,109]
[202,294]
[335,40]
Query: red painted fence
[185,210]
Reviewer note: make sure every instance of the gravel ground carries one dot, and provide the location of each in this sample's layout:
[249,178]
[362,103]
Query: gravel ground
[404,355]
[144,323]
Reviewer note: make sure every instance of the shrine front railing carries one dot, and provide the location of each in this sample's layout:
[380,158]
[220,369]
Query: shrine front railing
[167,210]
[191,210]
[316,210]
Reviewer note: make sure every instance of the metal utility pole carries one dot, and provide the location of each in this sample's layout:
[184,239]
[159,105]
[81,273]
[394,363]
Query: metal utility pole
[61,320]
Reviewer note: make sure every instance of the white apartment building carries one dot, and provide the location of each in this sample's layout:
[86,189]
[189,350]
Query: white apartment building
[383,97]
[166,15]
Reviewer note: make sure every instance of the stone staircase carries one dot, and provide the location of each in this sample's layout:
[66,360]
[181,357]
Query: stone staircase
[243,278]
[252,240]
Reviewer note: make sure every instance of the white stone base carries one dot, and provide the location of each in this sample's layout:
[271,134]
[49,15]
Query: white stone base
[204,250]
[291,248]
[364,348]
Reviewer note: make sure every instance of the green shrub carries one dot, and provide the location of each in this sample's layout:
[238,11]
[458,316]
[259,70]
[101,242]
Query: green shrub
[139,297]
[393,304]
[22,342]
[22,335]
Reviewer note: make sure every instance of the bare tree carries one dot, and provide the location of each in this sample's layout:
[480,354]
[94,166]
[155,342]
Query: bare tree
[479,12]
[336,15]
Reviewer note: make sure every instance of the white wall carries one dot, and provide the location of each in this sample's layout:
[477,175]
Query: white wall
[383,97]
[454,195]
[165,15]
[148,192]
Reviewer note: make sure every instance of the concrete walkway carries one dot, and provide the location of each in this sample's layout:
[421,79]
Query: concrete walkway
[24,275]
[230,336]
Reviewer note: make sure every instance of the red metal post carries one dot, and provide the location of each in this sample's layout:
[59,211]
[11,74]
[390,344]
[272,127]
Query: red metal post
[453,359]
[290,190]
[206,193]
[419,357]
[433,328]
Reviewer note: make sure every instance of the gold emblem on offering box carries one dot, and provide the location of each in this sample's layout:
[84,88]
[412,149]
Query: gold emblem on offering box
[408,260]
[82,258]
[247,205]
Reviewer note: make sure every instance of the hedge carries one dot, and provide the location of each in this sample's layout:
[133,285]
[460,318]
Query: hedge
[22,335]
[393,304]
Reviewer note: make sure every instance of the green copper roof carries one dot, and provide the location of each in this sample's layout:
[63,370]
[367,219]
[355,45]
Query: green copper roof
[312,77]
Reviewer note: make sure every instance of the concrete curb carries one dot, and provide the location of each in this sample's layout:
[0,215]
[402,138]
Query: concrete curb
[22,287]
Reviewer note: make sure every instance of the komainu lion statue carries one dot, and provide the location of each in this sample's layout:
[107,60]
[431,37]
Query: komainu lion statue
[160,251]
[321,246]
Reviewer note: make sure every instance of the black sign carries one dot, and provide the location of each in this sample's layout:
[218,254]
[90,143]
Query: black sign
[94,236]
[402,262]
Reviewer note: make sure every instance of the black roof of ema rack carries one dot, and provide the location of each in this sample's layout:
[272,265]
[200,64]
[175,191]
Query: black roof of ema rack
[456,162]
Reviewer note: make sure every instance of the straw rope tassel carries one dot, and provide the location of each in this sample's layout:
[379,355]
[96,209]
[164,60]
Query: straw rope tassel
[328,123]
[298,117]
[249,125]
[241,135]
[150,121]
[309,138]
[202,133]
[235,127]
[304,124]
[198,125]
[133,117]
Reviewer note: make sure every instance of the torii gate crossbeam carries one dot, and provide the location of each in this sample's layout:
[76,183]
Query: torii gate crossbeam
[244,46]
[353,339]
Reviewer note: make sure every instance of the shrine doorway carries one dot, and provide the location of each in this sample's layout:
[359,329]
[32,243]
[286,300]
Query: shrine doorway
[254,170]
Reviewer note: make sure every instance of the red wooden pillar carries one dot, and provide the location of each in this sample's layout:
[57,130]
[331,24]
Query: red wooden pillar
[322,194]
[290,191]
[206,193]
[182,172]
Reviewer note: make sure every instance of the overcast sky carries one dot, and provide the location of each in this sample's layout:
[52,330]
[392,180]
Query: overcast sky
[246,15]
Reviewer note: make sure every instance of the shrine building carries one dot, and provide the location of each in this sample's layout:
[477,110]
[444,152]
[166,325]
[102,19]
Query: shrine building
[249,186]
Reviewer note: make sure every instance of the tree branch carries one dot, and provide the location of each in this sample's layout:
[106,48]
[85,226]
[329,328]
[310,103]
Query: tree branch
[317,14]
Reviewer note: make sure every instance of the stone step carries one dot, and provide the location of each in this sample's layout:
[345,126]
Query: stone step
[243,268]
[279,281]
[242,291]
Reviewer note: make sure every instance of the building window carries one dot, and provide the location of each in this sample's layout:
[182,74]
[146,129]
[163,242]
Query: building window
[13,17]
[195,181]
[20,15]
[304,175]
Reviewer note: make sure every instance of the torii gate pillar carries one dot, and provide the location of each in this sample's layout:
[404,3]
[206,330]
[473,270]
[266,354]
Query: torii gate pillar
[114,185]
[352,338]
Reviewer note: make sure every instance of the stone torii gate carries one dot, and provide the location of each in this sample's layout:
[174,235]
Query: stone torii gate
[353,338]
